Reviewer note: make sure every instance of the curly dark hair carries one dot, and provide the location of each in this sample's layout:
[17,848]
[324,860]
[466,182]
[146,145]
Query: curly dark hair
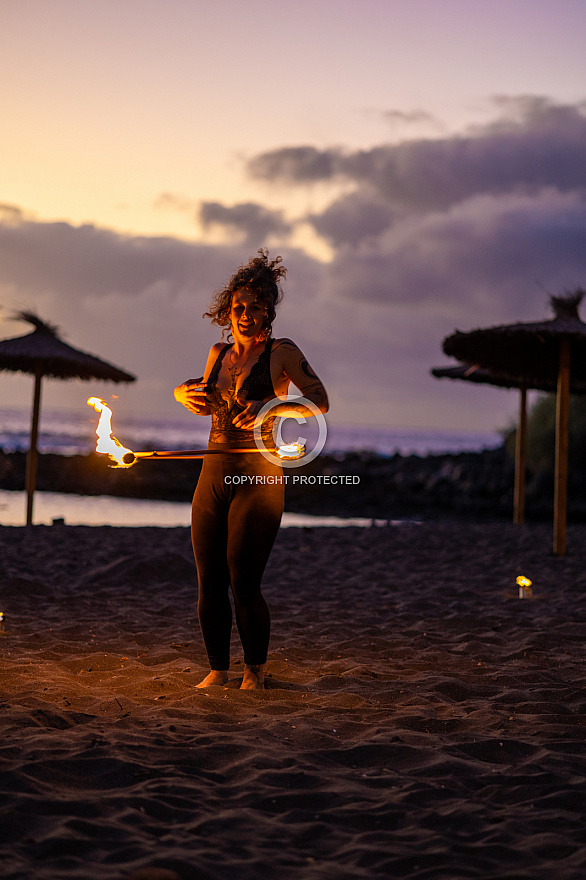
[261,276]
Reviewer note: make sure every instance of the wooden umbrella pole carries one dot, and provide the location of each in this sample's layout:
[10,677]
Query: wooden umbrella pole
[561,450]
[31,459]
[520,460]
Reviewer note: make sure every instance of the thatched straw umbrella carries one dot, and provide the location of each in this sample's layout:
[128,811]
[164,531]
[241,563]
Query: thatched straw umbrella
[536,355]
[474,373]
[43,353]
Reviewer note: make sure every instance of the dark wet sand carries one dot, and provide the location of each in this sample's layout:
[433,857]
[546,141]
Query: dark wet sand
[420,719]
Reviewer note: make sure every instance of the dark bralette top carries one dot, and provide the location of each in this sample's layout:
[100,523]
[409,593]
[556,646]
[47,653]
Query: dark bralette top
[257,385]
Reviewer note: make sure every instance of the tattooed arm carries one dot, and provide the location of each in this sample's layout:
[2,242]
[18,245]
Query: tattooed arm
[295,368]
[292,366]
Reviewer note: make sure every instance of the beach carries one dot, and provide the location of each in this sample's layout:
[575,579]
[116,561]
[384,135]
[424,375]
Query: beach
[420,720]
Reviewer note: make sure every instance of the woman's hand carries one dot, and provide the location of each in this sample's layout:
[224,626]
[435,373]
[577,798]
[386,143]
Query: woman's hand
[246,419]
[193,397]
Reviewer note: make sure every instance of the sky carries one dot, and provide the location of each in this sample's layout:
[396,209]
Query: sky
[420,165]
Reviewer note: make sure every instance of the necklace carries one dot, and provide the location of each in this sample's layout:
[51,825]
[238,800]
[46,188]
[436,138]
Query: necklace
[235,372]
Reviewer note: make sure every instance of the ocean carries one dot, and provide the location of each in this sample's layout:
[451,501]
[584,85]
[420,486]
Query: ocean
[68,432]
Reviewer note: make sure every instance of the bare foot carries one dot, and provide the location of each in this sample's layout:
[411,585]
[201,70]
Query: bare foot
[215,677]
[254,678]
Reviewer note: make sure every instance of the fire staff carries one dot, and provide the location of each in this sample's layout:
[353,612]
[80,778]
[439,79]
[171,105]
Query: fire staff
[235,521]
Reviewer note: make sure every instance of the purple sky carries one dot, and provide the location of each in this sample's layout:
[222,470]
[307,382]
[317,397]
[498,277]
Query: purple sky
[420,167]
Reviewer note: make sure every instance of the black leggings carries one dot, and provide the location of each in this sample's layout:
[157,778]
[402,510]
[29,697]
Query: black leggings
[233,527]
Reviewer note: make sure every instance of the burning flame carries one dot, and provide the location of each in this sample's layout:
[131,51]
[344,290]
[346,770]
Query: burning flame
[525,589]
[106,442]
[124,457]
[291,450]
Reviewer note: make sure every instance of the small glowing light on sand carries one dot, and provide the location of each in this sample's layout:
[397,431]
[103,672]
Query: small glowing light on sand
[525,589]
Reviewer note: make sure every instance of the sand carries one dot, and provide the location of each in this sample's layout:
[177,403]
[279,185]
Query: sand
[420,719]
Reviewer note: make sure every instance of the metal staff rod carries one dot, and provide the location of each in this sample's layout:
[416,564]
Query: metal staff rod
[130,458]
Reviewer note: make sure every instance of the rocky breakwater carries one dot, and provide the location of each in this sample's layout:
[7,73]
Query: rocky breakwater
[478,485]
[91,475]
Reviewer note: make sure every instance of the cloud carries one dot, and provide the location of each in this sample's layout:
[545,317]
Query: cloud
[425,236]
[480,222]
[352,218]
[74,261]
[295,165]
[135,301]
[167,201]
[534,143]
[489,255]
[400,119]
[414,116]
[138,302]
[11,214]
[253,222]
[432,234]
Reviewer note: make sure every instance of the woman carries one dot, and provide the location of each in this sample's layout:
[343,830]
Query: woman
[235,521]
